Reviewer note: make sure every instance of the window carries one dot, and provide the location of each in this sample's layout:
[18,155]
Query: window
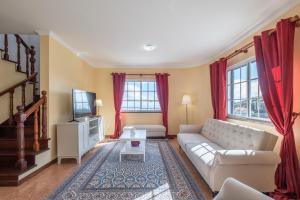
[140,96]
[244,98]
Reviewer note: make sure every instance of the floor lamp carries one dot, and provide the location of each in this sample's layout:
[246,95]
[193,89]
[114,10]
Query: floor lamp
[98,105]
[186,100]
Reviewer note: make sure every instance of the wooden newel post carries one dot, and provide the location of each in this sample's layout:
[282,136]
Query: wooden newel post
[32,60]
[44,115]
[20,118]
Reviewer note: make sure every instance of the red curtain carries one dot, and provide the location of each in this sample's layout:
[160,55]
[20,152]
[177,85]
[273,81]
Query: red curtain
[118,87]
[274,56]
[218,88]
[163,96]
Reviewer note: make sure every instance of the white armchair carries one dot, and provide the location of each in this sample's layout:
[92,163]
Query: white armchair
[232,189]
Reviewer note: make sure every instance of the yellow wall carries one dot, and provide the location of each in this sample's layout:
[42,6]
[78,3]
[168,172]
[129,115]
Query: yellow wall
[9,77]
[270,128]
[61,70]
[181,81]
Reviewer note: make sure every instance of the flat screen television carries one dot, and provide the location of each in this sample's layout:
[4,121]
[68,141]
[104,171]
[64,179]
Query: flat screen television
[83,103]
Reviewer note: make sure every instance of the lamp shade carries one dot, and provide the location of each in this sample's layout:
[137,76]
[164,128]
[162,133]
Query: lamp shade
[186,99]
[99,103]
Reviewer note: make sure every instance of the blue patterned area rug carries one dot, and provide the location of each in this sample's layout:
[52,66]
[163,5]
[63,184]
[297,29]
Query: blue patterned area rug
[161,177]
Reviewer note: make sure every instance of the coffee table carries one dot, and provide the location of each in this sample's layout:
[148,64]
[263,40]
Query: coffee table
[136,135]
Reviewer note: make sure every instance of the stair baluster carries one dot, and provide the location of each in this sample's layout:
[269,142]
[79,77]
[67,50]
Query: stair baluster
[36,145]
[5,56]
[18,54]
[11,106]
[44,115]
[32,60]
[23,94]
[20,118]
[27,61]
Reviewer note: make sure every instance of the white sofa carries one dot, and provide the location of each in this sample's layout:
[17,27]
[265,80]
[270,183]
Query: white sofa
[233,189]
[221,149]
[151,130]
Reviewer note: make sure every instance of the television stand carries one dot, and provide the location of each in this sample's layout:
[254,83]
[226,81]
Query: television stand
[75,138]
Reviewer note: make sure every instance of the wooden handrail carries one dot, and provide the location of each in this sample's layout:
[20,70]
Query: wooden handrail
[22,41]
[34,107]
[12,88]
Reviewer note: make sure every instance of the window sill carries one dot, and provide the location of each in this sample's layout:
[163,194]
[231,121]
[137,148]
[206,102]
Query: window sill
[250,120]
[140,111]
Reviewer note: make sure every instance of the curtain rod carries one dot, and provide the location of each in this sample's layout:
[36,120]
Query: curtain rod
[245,48]
[142,74]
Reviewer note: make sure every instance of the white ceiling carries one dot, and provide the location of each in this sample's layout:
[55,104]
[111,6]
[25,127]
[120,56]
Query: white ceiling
[111,33]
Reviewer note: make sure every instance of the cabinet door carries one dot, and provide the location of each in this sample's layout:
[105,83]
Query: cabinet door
[86,136]
[81,131]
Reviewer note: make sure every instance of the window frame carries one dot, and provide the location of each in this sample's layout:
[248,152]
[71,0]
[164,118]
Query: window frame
[230,115]
[141,100]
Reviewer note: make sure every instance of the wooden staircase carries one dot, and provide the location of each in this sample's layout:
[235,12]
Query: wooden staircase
[24,134]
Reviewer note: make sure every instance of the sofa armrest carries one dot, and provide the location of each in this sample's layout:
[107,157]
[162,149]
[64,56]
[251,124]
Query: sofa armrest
[190,128]
[246,157]
[233,189]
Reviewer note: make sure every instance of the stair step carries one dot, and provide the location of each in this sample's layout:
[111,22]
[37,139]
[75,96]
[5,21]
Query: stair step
[11,131]
[10,176]
[8,153]
[11,144]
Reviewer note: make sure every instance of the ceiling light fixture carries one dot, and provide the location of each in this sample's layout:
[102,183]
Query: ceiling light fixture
[149,47]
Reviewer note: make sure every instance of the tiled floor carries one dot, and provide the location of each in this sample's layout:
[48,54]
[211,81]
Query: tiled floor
[39,186]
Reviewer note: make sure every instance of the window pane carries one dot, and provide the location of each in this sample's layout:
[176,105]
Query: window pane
[229,92]
[124,105]
[144,95]
[144,86]
[156,97]
[130,104]
[229,107]
[137,96]
[125,96]
[151,86]
[236,107]
[244,108]
[144,104]
[130,86]
[237,91]
[254,88]
[244,73]
[130,95]
[253,70]
[253,108]
[259,91]
[237,75]
[157,105]
[151,105]
[244,90]
[137,105]
[262,109]
[137,86]
[151,96]
[229,77]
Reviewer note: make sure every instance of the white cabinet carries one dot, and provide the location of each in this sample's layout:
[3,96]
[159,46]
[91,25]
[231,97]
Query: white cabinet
[76,138]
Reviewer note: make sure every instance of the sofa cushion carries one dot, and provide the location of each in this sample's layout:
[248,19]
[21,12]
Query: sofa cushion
[190,138]
[233,136]
[202,155]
